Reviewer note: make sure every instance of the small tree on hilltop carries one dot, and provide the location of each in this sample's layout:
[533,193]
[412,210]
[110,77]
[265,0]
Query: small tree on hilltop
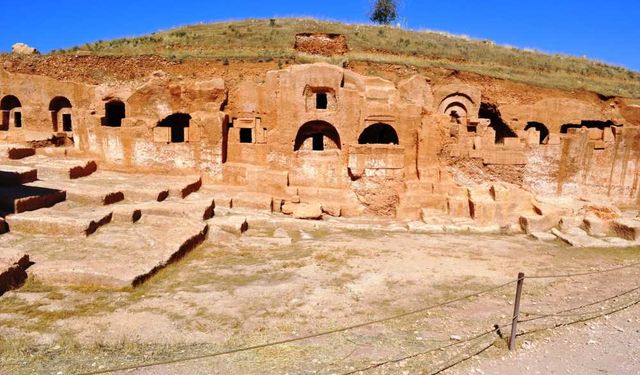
[384,12]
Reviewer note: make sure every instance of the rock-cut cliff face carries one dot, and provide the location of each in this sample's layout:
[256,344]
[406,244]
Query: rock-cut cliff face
[360,145]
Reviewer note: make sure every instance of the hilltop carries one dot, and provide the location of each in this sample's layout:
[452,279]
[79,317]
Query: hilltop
[273,40]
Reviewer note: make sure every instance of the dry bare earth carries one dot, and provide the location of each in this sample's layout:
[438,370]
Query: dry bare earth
[610,345]
[244,290]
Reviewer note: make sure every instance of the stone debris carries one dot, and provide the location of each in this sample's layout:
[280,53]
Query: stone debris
[305,211]
[236,224]
[13,270]
[543,236]
[628,229]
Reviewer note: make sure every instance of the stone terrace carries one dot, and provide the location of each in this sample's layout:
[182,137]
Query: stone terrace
[83,225]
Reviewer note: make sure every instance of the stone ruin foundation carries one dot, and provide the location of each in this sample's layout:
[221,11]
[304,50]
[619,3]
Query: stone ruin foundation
[321,44]
[173,157]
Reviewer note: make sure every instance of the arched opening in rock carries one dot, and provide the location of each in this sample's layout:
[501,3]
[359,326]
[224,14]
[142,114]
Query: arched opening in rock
[544,131]
[60,108]
[317,136]
[379,133]
[11,112]
[491,112]
[178,122]
[114,111]
[456,111]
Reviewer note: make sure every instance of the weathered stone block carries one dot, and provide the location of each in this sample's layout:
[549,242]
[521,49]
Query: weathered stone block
[596,226]
[482,210]
[505,157]
[607,135]
[231,223]
[629,229]
[435,201]
[543,236]
[307,211]
[512,143]
[161,134]
[554,139]
[577,237]
[458,207]
[331,209]
[254,201]
[569,222]
[538,223]
[500,193]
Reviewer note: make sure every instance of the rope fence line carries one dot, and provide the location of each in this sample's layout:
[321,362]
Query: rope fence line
[466,358]
[306,337]
[386,319]
[419,354]
[563,313]
[586,319]
[497,329]
[517,318]
[595,272]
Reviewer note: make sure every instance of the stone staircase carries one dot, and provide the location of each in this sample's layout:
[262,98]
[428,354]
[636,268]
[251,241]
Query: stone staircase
[84,225]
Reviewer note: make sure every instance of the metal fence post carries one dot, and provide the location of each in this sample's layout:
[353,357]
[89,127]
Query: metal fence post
[516,312]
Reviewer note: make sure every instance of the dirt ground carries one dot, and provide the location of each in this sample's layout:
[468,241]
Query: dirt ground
[237,291]
[609,345]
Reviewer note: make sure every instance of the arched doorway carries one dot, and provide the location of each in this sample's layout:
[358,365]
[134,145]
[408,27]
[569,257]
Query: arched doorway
[11,109]
[544,131]
[60,108]
[317,136]
[178,122]
[379,133]
[317,157]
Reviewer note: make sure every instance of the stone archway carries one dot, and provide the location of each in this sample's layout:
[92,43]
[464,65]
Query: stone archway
[60,108]
[178,123]
[317,136]
[379,133]
[11,110]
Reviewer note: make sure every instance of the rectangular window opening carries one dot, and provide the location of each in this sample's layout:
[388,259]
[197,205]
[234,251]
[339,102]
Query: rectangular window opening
[246,135]
[322,101]
[177,134]
[67,125]
[17,119]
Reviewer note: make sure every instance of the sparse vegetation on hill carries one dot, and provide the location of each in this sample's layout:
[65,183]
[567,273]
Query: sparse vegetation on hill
[274,39]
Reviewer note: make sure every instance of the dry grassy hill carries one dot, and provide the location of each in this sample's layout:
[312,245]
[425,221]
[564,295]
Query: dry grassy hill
[274,39]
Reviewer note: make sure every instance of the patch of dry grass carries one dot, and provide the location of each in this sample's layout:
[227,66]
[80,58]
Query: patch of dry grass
[260,40]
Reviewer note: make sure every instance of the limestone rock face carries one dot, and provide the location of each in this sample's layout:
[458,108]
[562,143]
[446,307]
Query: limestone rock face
[24,49]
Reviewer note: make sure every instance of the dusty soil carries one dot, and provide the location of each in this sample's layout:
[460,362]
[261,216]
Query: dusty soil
[610,345]
[245,290]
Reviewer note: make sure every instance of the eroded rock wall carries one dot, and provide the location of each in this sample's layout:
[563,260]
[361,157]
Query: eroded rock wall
[325,134]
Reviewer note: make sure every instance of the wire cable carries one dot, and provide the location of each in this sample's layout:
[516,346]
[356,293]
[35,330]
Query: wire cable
[561,312]
[414,355]
[567,275]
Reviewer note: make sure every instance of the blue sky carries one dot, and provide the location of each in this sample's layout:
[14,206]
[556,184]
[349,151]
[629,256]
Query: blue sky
[608,31]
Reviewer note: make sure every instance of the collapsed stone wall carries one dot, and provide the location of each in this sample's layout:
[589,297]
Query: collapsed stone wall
[322,133]
[321,44]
